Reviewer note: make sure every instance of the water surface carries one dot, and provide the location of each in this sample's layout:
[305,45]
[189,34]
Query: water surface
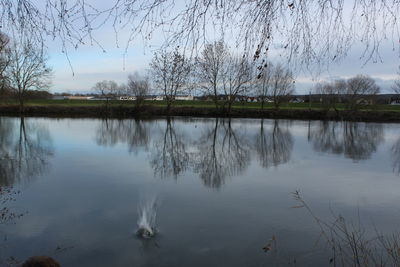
[223,188]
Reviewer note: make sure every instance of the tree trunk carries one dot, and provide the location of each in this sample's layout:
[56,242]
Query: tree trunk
[215,89]
[216,102]
[276,104]
[168,106]
[215,98]
[139,102]
[229,108]
[21,103]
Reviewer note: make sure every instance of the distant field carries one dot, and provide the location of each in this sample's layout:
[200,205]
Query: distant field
[199,104]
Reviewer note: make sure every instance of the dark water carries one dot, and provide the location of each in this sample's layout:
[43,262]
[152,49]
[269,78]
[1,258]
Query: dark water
[223,189]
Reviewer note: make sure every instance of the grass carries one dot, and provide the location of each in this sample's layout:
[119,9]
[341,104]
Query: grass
[196,104]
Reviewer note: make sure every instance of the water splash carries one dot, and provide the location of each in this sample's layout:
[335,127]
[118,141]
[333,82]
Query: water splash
[147,218]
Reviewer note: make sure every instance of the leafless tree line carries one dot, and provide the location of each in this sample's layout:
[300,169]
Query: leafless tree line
[222,76]
[137,86]
[217,73]
[356,91]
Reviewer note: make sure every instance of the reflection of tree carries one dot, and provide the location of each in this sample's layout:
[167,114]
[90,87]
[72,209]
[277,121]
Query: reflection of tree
[274,147]
[6,143]
[355,140]
[135,133]
[327,138]
[24,150]
[396,157]
[170,157]
[361,140]
[24,153]
[221,152]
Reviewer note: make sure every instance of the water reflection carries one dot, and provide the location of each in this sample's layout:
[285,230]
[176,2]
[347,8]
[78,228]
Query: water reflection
[221,152]
[357,141]
[135,133]
[396,157]
[274,146]
[169,156]
[25,148]
[221,149]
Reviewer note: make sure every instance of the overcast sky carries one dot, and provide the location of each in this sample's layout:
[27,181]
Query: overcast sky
[90,64]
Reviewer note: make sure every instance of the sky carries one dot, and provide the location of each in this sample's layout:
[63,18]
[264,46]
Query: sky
[89,63]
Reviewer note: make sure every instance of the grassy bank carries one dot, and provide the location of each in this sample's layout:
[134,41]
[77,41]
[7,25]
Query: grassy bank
[200,104]
[87,108]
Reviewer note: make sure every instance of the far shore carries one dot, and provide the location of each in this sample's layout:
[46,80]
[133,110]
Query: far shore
[297,112]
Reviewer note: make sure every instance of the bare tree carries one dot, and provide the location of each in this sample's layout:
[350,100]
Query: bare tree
[331,93]
[170,71]
[139,87]
[262,82]
[236,78]
[360,88]
[106,89]
[210,68]
[27,70]
[114,89]
[282,85]
[122,90]
[4,59]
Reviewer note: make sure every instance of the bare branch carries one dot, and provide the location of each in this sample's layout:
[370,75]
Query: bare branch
[307,32]
[26,69]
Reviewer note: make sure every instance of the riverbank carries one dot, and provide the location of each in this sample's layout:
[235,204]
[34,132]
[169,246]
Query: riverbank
[129,111]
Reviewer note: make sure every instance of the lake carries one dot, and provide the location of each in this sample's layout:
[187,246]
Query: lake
[222,190]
